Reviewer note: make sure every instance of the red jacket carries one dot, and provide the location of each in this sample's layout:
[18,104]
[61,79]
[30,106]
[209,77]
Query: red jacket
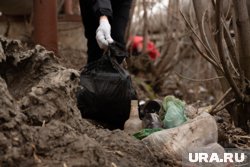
[137,45]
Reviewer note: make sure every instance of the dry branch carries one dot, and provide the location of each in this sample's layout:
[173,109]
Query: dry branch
[205,56]
[224,63]
[223,107]
[208,58]
[199,80]
[203,32]
[231,48]
[220,100]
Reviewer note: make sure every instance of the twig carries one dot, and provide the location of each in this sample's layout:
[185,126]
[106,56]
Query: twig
[200,40]
[199,80]
[205,37]
[222,107]
[205,56]
[232,49]
[244,137]
[220,100]
[233,67]
[228,10]
[191,28]
[113,164]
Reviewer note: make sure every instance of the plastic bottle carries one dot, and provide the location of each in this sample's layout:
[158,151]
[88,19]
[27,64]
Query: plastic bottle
[133,124]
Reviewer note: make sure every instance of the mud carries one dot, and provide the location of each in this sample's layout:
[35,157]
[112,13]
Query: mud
[40,124]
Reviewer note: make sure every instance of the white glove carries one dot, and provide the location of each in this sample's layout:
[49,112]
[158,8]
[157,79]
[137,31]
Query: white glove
[103,32]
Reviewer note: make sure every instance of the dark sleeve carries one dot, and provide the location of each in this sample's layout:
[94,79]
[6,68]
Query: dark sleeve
[102,7]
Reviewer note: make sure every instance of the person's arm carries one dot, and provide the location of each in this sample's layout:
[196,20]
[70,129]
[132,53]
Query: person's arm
[102,8]
[103,33]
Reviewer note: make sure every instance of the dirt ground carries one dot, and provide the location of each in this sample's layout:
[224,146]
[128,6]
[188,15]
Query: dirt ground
[40,124]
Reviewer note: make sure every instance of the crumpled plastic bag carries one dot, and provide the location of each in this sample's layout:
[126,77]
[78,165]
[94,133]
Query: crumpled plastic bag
[172,112]
[195,134]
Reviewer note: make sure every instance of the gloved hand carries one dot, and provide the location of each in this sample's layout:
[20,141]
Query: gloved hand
[103,32]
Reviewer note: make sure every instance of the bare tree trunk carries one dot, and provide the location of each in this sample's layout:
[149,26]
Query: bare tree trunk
[208,38]
[243,27]
[236,77]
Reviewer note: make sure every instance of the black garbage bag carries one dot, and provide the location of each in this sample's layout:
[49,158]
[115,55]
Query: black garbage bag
[106,90]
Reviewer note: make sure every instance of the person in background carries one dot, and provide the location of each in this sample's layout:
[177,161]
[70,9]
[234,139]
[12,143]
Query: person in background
[104,21]
[136,46]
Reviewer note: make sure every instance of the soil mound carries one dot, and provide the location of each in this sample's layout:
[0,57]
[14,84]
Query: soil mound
[40,124]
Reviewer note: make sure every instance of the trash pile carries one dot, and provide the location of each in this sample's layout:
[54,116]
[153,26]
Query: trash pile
[178,129]
[107,96]
[40,124]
